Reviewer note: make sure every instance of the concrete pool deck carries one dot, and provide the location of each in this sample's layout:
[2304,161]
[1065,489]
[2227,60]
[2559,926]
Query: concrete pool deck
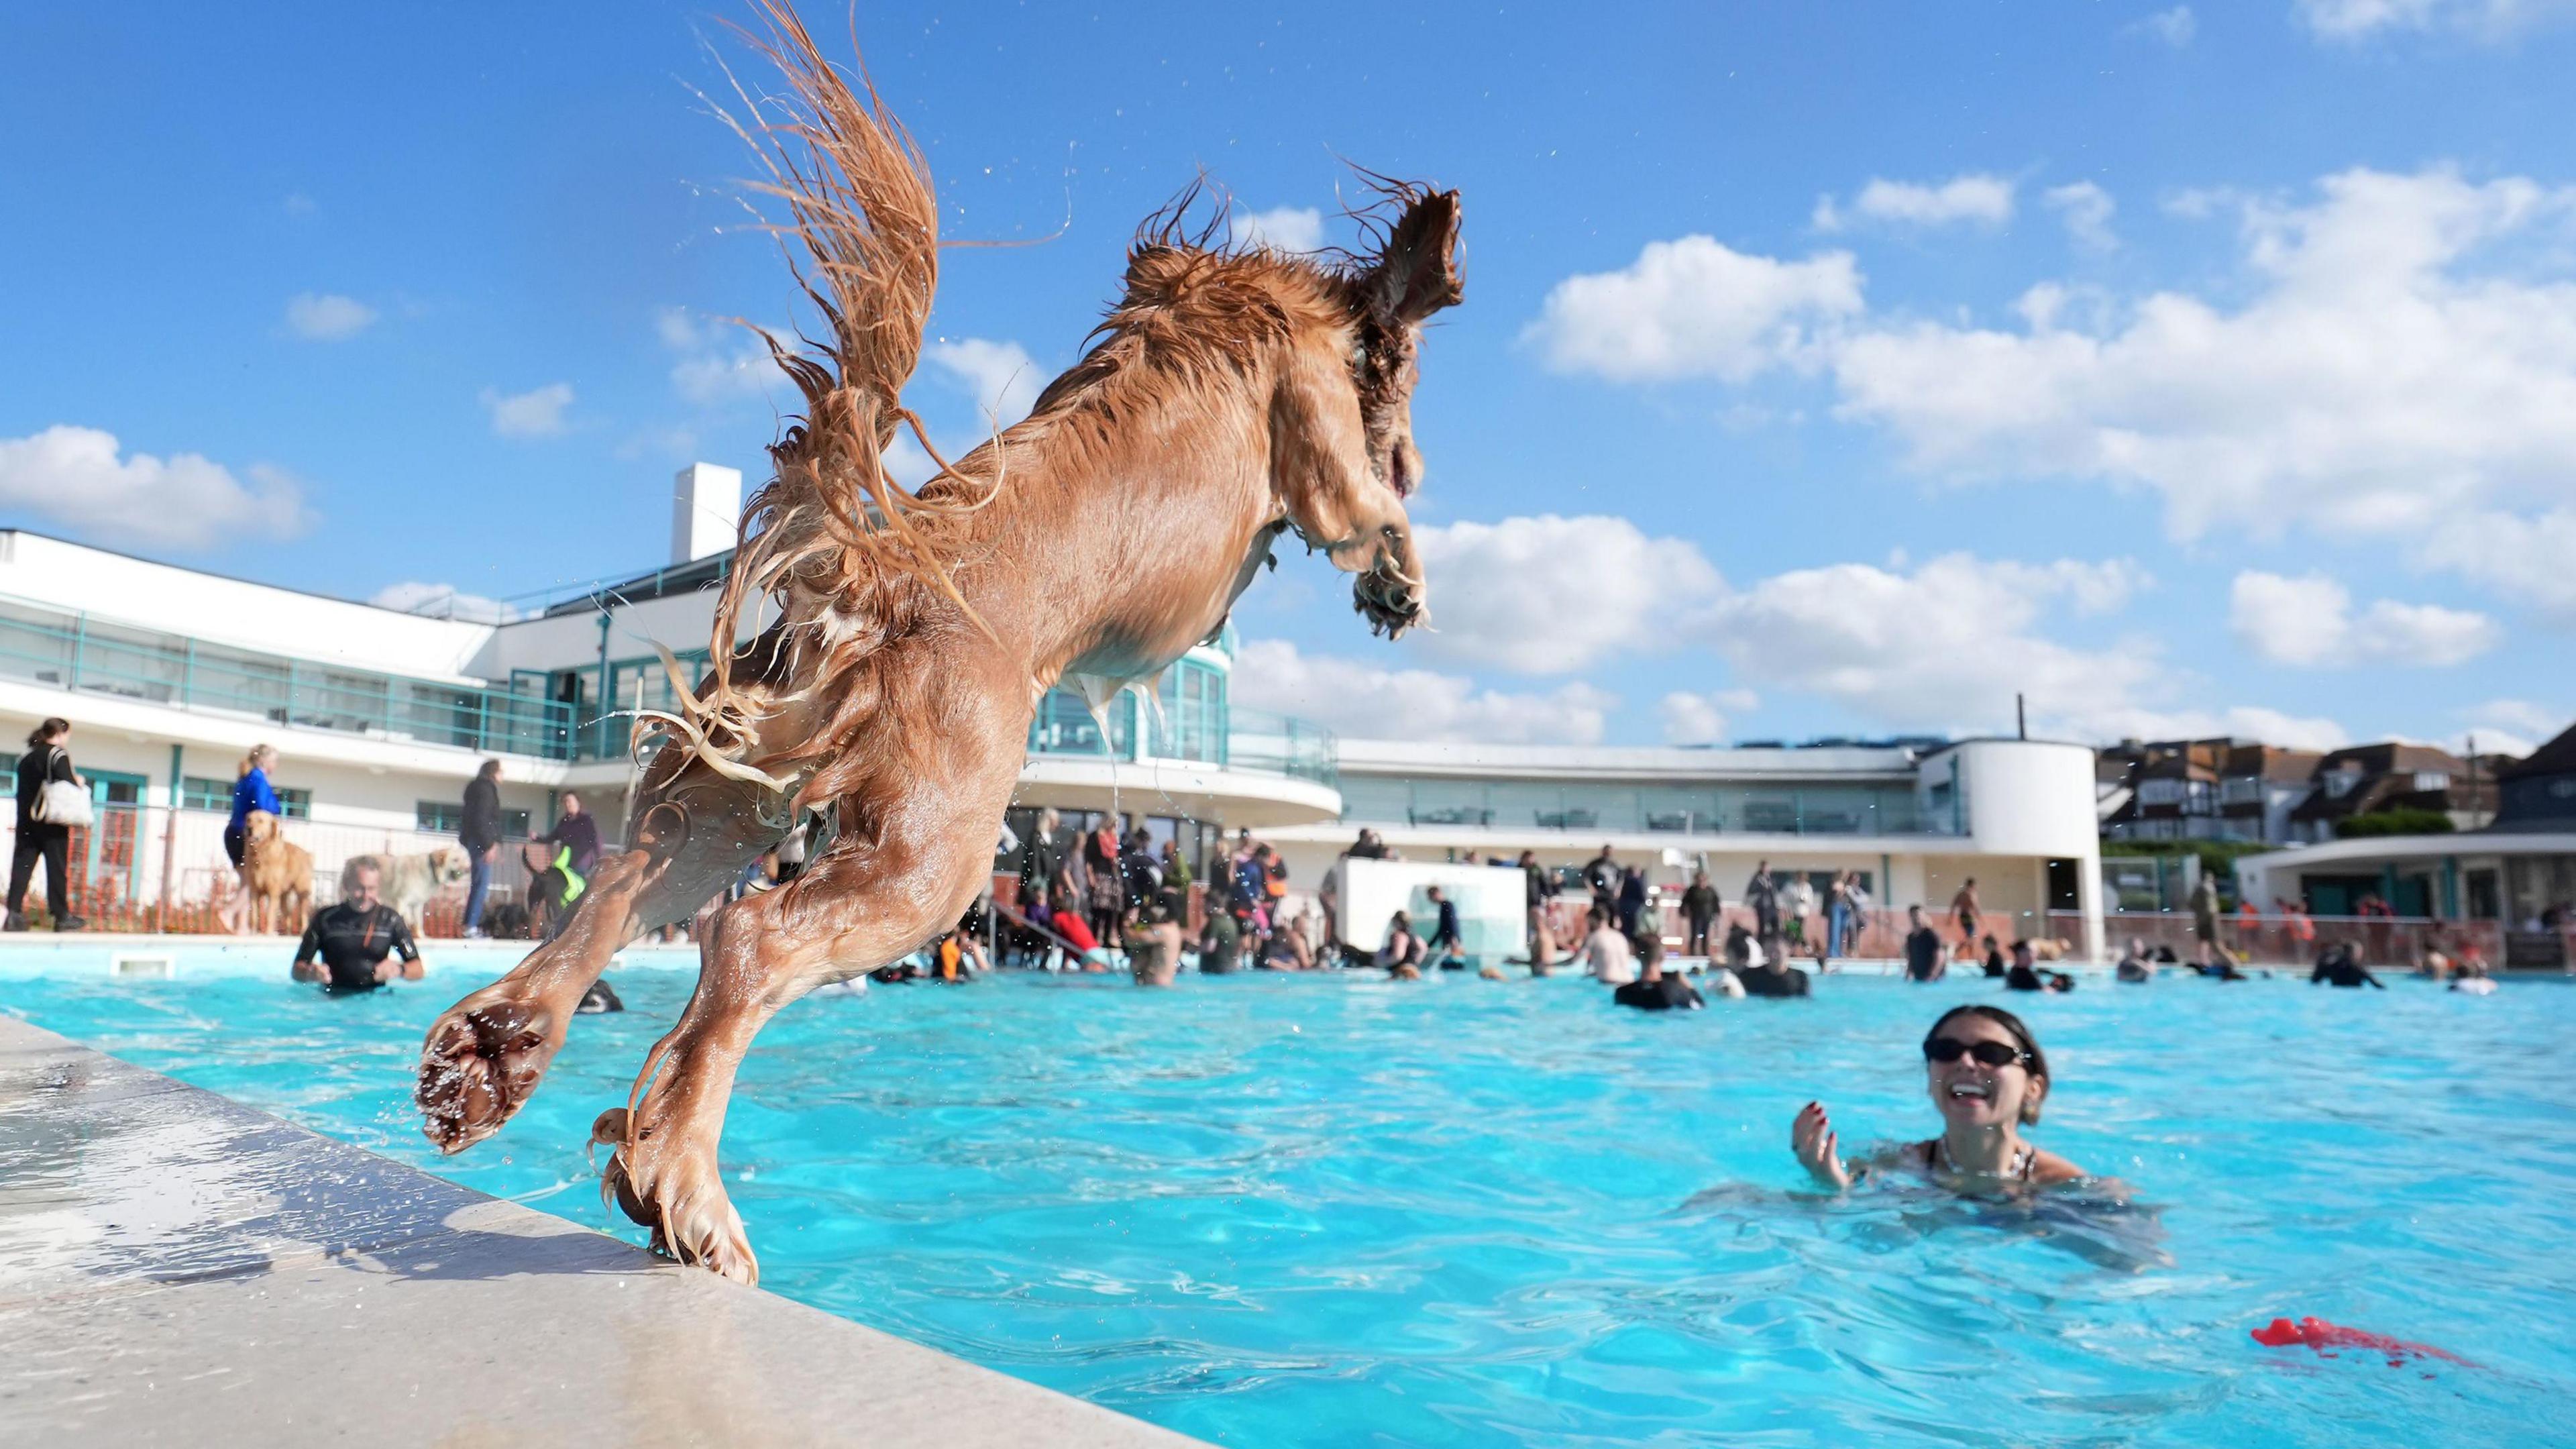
[176,1268]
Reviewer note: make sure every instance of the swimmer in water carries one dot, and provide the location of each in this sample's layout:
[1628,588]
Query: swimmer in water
[1988,1077]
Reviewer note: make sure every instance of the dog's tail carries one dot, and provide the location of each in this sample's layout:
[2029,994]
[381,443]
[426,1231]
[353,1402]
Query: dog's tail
[862,238]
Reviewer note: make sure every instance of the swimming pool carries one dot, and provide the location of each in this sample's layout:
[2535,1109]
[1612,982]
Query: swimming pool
[1325,1211]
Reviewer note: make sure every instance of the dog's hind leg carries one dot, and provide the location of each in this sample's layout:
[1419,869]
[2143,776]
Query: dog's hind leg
[868,899]
[485,1056]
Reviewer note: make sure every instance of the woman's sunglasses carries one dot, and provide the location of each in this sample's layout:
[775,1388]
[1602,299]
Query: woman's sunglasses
[1987,1053]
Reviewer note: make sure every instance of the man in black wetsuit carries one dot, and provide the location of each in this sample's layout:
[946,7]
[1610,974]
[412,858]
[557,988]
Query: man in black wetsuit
[2025,975]
[1446,940]
[354,938]
[1774,977]
[1924,958]
[1654,990]
[2339,967]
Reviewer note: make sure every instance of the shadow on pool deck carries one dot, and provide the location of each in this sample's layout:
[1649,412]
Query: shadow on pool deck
[179,1269]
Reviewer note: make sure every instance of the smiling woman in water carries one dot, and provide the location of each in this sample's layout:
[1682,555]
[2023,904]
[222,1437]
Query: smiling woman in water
[1988,1077]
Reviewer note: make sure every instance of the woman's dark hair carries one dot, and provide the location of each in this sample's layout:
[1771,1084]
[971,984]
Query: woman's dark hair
[2037,1063]
[47,731]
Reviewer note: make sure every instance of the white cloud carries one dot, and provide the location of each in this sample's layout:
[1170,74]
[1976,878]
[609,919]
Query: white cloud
[2371,386]
[2174,27]
[2524,555]
[75,476]
[1946,646]
[1547,594]
[1376,702]
[327,316]
[2486,19]
[2270,726]
[2520,716]
[2086,209]
[1976,197]
[442,601]
[719,359]
[2309,621]
[536,413]
[1282,228]
[1700,719]
[2489,741]
[1001,375]
[1692,307]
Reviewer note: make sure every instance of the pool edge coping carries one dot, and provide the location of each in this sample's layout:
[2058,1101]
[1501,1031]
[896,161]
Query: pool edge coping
[537,1327]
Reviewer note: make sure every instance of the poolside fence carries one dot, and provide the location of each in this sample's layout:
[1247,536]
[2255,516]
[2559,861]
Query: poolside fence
[152,868]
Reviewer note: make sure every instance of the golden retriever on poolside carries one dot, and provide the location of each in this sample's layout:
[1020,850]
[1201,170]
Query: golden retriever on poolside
[408,883]
[2051,948]
[274,871]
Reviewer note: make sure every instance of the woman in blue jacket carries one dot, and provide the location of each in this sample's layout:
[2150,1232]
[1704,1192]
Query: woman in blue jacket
[251,792]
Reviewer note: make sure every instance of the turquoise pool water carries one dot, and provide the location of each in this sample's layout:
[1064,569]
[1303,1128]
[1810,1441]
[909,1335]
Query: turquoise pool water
[1331,1211]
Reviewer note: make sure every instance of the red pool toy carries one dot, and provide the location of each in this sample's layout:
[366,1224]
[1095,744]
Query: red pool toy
[2322,1336]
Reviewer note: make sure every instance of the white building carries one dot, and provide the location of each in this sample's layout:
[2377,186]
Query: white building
[1918,819]
[169,675]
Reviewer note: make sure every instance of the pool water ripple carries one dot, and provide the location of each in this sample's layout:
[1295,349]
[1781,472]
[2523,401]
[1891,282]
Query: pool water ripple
[1328,1211]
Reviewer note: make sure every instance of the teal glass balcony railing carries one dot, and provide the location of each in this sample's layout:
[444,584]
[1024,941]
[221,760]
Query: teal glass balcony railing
[1195,724]
[72,651]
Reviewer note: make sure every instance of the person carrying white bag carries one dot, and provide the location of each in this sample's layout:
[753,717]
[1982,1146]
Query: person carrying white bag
[52,798]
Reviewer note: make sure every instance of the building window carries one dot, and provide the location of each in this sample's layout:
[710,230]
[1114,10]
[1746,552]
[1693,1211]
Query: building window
[514,825]
[443,817]
[196,792]
[2160,792]
[2242,790]
[2432,780]
[2340,783]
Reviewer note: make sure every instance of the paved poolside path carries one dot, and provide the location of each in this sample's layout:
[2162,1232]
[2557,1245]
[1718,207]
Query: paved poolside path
[178,1269]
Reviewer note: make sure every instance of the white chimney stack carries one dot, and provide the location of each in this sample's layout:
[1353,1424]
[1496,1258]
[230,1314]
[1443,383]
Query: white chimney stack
[706,507]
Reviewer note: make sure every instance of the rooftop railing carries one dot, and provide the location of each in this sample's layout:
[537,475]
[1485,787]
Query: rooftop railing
[72,651]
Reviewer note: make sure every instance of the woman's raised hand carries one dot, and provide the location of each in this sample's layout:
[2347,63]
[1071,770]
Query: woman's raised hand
[1812,1138]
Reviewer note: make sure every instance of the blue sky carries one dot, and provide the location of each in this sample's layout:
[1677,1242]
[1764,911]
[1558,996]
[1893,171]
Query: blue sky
[1823,369]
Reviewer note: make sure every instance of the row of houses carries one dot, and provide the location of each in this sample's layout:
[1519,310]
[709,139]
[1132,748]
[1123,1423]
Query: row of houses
[2238,790]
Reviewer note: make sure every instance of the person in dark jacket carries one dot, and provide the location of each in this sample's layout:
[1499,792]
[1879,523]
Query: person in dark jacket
[1538,889]
[480,833]
[1699,909]
[1632,903]
[2024,973]
[1043,860]
[1762,893]
[1655,989]
[45,762]
[1601,873]
[576,830]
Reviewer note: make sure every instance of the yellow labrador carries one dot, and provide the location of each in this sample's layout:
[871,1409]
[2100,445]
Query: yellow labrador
[408,883]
